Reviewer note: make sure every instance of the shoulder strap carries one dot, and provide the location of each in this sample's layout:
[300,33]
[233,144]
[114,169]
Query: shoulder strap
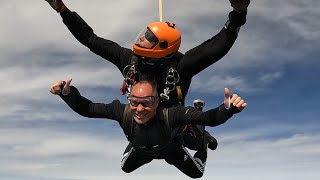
[127,122]
[166,117]
[173,133]
[168,122]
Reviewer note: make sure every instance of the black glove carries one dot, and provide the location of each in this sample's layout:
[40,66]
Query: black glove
[240,6]
[57,5]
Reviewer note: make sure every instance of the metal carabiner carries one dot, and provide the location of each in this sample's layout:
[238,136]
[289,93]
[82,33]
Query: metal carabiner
[165,95]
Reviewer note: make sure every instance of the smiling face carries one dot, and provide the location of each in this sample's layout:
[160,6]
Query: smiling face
[144,102]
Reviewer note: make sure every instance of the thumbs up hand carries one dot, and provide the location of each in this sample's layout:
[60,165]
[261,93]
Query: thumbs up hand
[61,87]
[234,100]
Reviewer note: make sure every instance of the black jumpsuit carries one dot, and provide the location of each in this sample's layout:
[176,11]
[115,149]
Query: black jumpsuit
[187,66]
[149,140]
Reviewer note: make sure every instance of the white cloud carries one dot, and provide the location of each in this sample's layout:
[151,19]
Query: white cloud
[34,43]
[25,87]
[214,84]
[51,153]
[269,77]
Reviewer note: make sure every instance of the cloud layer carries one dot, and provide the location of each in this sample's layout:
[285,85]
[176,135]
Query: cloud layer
[273,64]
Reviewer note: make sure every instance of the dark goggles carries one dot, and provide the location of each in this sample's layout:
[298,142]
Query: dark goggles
[150,36]
[146,101]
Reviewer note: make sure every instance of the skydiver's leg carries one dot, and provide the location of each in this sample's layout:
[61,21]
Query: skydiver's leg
[191,166]
[195,136]
[192,137]
[133,159]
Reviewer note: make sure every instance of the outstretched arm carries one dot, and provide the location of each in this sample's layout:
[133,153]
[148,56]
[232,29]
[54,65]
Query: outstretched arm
[83,106]
[213,117]
[212,50]
[107,49]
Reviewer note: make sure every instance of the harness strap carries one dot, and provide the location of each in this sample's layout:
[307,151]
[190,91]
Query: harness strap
[131,77]
[167,122]
[129,73]
[172,79]
[179,92]
[127,122]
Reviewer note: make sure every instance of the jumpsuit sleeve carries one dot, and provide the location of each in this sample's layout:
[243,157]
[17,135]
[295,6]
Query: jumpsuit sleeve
[189,115]
[107,49]
[212,50]
[87,108]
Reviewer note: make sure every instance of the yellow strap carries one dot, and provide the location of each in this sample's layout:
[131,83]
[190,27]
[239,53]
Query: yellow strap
[179,92]
[160,10]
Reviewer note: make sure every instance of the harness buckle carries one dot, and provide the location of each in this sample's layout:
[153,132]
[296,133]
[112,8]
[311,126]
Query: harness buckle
[165,95]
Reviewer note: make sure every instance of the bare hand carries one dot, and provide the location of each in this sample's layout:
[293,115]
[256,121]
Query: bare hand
[233,100]
[56,87]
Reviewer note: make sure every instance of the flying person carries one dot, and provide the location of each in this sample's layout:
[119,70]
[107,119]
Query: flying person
[152,130]
[155,53]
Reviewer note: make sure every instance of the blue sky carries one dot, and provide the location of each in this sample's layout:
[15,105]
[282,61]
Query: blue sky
[274,66]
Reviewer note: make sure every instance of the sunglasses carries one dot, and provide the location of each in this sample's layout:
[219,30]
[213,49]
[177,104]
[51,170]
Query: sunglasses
[146,101]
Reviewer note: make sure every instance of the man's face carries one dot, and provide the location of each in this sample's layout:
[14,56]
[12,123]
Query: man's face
[143,102]
[146,39]
[145,43]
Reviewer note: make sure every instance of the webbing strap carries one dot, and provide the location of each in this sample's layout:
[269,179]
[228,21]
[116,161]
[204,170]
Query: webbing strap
[127,122]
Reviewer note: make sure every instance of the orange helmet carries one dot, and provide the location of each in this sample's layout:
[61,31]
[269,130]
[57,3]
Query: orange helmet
[163,36]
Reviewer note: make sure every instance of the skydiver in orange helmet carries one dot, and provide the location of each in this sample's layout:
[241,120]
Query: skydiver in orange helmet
[156,54]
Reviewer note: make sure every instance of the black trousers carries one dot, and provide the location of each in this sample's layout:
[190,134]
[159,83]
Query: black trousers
[176,154]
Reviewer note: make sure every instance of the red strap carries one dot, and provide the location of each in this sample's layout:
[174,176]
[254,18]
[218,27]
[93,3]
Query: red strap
[123,89]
